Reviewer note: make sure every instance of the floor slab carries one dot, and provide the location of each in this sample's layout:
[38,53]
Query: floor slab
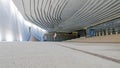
[48,55]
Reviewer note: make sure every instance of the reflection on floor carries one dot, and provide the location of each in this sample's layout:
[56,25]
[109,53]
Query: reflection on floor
[59,55]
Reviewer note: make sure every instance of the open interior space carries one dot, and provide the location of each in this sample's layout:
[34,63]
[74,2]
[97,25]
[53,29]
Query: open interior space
[59,33]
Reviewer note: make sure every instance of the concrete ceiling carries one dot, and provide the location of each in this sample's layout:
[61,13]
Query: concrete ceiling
[68,15]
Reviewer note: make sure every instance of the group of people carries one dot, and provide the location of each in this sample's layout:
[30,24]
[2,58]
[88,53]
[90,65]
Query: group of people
[54,37]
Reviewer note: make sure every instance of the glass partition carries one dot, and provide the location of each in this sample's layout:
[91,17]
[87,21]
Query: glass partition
[107,28]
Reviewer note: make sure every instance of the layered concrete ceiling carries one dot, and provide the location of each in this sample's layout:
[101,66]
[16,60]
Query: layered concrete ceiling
[68,15]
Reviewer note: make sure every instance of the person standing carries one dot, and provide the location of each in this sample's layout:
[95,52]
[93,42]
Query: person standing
[55,35]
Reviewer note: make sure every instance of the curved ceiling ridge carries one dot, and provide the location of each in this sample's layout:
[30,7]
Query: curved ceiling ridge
[63,15]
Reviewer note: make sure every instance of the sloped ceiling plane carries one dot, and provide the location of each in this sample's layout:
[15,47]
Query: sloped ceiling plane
[68,15]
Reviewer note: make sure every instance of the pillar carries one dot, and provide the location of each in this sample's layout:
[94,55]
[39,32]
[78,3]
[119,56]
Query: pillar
[103,33]
[106,31]
[111,31]
[99,33]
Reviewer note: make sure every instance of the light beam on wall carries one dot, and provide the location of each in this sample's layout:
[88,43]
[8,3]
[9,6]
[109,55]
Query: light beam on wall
[3,1]
[20,36]
[12,23]
[0,37]
[9,37]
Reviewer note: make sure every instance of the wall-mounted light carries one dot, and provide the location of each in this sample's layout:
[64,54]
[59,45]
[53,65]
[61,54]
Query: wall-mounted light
[9,37]
[20,37]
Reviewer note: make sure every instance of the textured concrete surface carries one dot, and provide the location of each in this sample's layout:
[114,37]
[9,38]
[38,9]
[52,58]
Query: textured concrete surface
[54,55]
[99,39]
[107,49]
